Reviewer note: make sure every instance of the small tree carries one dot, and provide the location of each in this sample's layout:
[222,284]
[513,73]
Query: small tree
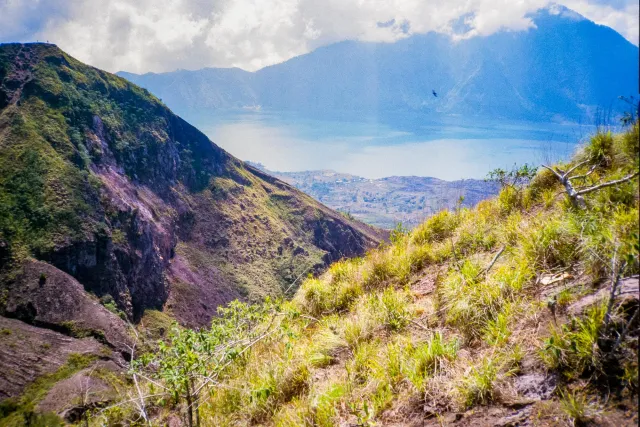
[630,117]
[515,178]
[190,362]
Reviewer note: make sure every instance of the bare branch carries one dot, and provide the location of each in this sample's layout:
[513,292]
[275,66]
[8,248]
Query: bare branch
[493,261]
[607,184]
[625,331]
[571,169]
[593,168]
[419,325]
[560,177]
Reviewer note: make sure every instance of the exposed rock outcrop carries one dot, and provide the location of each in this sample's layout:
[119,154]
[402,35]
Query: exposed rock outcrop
[109,199]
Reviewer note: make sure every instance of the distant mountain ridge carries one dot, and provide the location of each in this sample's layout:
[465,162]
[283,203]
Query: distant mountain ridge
[566,68]
[388,201]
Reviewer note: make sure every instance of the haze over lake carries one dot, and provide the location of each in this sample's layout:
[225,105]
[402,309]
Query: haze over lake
[400,144]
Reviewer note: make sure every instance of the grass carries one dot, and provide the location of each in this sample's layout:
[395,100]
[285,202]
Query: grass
[577,407]
[572,348]
[429,317]
[22,411]
[430,358]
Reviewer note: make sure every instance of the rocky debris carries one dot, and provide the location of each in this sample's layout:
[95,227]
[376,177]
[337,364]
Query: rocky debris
[28,352]
[628,289]
[549,279]
[519,418]
[44,296]
[535,386]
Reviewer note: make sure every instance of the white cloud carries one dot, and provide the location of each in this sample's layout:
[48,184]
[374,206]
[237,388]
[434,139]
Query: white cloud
[149,35]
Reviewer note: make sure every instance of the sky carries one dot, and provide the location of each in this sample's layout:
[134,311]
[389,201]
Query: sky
[155,36]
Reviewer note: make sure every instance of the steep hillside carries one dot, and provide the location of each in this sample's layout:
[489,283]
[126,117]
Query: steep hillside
[385,202]
[567,67]
[520,311]
[111,205]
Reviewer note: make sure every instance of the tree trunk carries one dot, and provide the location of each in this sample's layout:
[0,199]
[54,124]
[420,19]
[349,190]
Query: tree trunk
[576,199]
[196,405]
[189,406]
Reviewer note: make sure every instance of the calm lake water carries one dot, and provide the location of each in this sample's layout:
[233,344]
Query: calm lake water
[446,147]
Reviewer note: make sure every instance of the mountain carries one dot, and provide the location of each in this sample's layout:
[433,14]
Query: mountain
[386,202]
[111,206]
[521,311]
[567,67]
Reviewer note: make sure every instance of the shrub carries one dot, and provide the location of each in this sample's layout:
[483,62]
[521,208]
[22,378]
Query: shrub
[429,358]
[572,348]
[438,227]
[550,245]
[599,149]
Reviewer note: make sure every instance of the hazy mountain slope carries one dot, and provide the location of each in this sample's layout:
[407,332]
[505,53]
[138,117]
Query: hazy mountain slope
[110,203]
[387,201]
[208,88]
[567,67]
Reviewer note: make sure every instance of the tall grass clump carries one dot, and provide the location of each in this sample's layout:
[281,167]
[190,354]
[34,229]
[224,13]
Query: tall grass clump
[599,149]
[470,300]
[438,227]
[550,244]
[392,308]
[430,358]
[573,348]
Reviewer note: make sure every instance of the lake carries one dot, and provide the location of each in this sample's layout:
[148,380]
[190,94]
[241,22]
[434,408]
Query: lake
[391,144]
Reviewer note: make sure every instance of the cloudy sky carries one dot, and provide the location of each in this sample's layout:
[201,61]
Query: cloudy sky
[153,35]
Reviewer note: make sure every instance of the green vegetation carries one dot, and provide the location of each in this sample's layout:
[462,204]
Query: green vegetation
[45,190]
[22,411]
[100,179]
[446,313]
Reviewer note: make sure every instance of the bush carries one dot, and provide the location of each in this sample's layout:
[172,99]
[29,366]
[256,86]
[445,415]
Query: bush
[438,227]
[550,245]
[429,358]
[572,348]
[599,149]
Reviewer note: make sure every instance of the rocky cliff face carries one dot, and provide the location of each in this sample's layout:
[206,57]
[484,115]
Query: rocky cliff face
[109,199]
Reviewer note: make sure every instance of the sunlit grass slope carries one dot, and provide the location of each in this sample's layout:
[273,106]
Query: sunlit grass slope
[447,317]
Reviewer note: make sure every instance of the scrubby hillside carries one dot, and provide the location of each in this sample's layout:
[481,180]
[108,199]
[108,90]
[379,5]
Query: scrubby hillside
[112,206]
[496,315]
[102,181]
